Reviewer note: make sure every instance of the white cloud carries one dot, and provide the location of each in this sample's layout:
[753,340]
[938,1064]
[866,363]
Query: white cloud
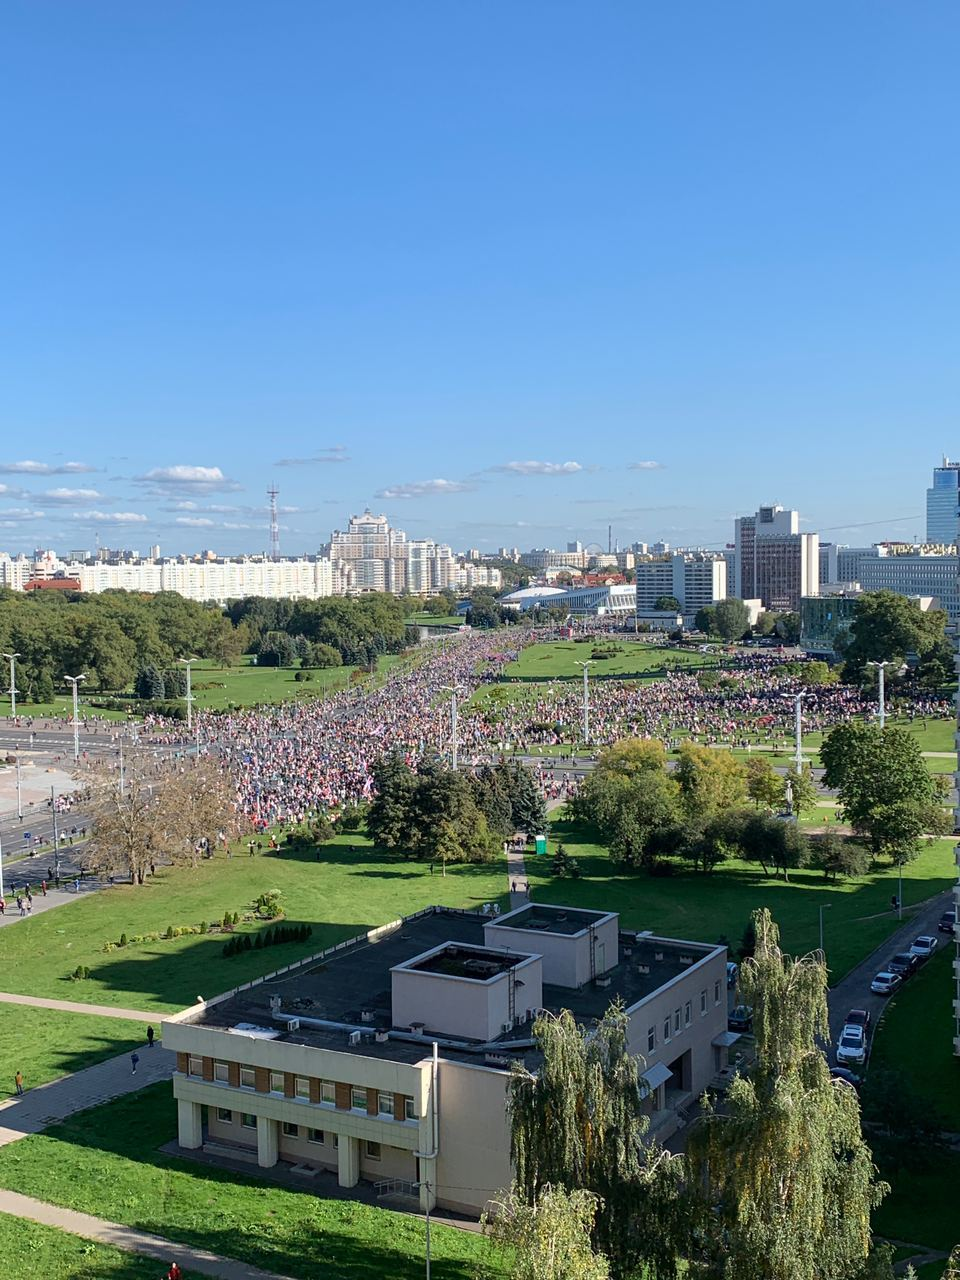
[71,495]
[195,522]
[422,489]
[187,479]
[336,453]
[540,468]
[31,468]
[645,466]
[109,517]
[9,491]
[21,514]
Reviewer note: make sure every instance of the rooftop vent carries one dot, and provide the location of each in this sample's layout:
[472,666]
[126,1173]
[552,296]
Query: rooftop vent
[293,1024]
[686,959]
[274,1004]
[381,1037]
[658,955]
[353,1038]
[416,1028]
[366,1015]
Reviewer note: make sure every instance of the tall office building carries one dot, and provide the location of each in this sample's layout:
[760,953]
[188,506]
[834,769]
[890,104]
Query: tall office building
[943,503]
[775,562]
[376,554]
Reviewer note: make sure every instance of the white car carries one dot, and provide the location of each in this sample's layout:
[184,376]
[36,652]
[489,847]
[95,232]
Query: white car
[923,947]
[885,983]
[852,1046]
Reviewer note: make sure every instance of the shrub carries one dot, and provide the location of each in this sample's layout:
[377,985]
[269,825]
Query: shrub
[170,933]
[204,927]
[123,940]
[247,944]
[80,972]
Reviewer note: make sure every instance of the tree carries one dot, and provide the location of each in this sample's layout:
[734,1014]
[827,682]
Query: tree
[579,1124]
[788,627]
[785,1181]
[667,604]
[549,1240]
[801,788]
[150,683]
[884,788]
[764,784]
[731,618]
[710,781]
[705,619]
[388,818]
[765,623]
[198,808]
[886,627]
[128,827]
[836,856]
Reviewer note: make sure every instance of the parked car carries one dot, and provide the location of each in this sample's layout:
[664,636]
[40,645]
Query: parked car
[740,1018]
[903,963]
[858,1018]
[852,1045]
[733,973]
[947,922]
[846,1076]
[885,983]
[924,946]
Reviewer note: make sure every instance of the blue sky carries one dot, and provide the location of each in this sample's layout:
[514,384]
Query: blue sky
[508,272]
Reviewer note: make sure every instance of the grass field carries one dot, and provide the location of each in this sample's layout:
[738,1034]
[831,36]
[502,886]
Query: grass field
[922,1014]
[430,620]
[922,1207]
[707,907]
[339,896]
[557,660]
[106,1162]
[47,1043]
[36,1252]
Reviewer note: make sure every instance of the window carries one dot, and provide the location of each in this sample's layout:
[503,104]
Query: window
[276,1082]
[703,1002]
[248,1079]
[358,1098]
[651,1039]
[225,1114]
[335,1139]
[221,1072]
[676,1021]
[327,1091]
[666,1029]
[408,1111]
[301,1087]
[290,1130]
[716,993]
[248,1121]
[195,1066]
[316,1135]
[385,1104]
[687,1012]
[373,1150]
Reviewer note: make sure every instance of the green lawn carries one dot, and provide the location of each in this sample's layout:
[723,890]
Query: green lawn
[106,1162]
[352,888]
[47,1043]
[430,620]
[558,659]
[247,685]
[707,907]
[922,1207]
[922,1014]
[44,1253]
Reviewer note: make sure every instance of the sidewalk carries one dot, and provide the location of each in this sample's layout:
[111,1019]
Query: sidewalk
[54,898]
[165,1251]
[70,1006]
[48,1104]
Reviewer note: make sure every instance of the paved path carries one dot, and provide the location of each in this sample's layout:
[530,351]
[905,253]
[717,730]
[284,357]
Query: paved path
[54,898]
[70,1006]
[517,876]
[166,1251]
[48,1104]
[853,991]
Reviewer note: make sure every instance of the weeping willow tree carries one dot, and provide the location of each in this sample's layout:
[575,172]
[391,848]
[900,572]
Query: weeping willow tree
[549,1240]
[579,1124]
[785,1181]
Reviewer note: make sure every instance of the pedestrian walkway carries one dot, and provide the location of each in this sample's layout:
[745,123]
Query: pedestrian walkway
[517,877]
[131,1240]
[71,1006]
[48,1104]
[54,897]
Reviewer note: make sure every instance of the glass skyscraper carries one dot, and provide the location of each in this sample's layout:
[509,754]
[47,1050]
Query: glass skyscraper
[943,503]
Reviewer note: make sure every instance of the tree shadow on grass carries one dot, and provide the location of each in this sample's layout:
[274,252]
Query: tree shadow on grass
[107,1161]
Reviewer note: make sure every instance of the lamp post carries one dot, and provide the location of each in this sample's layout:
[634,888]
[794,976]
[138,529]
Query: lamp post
[881,668]
[453,690]
[824,907]
[1,868]
[798,728]
[187,662]
[12,659]
[74,682]
[19,800]
[586,699]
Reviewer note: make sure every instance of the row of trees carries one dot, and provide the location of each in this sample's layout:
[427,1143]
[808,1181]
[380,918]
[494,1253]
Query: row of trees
[444,816]
[730,620]
[778,1185]
[358,629]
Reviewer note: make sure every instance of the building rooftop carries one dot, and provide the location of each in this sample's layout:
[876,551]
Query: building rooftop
[453,960]
[350,990]
[549,919]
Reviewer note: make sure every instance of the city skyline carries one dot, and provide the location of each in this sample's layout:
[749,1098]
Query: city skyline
[512,275]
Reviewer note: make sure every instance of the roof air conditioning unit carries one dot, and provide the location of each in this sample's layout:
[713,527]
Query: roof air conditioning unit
[293,1024]
[381,1037]
[686,959]
[507,1026]
[274,1004]
[354,1037]
[416,1028]
[658,955]
[643,968]
[366,1015]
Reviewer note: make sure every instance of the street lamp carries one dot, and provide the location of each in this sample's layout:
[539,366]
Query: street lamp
[187,662]
[12,659]
[453,690]
[586,699]
[74,681]
[798,728]
[824,907]
[881,668]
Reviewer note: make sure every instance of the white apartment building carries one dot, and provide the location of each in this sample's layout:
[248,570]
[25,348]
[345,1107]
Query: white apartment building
[775,562]
[389,1061]
[544,558]
[376,553]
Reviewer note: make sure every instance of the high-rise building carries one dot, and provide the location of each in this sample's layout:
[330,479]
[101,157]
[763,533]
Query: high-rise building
[775,562]
[943,503]
[376,553]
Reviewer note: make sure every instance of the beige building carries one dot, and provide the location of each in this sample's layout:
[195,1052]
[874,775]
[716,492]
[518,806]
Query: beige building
[387,1059]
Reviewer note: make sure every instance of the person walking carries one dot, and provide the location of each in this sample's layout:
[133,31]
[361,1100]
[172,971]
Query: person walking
[18,1080]
[43,887]
[149,1037]
[134,1059]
